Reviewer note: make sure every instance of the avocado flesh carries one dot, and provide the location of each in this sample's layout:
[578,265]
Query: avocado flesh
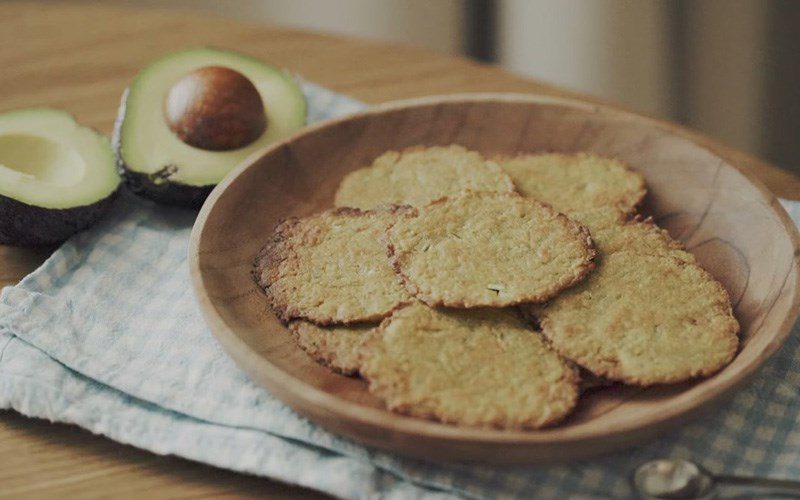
[156,163]
[56,177]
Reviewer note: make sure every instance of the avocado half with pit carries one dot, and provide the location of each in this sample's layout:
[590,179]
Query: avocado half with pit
[191,116]
[56,177]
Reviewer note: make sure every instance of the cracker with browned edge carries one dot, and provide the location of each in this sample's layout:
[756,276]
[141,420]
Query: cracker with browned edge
[331,268]
[417,176]
[477,367]
[336,346]
[613,231]
[643,320]
[488,249]
[576,182]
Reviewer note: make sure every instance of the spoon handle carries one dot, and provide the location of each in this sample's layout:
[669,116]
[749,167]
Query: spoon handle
[775,486]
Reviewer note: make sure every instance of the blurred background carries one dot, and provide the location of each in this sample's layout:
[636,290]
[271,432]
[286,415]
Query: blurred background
[730,68]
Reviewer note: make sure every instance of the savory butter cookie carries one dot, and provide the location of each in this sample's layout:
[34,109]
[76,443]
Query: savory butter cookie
[331,267]
[477,367]
[579,181]
[417,176]
[337,346]
[643,319]
[488,249]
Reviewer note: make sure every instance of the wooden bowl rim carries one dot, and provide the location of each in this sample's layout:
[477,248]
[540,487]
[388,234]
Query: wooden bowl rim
[277,379]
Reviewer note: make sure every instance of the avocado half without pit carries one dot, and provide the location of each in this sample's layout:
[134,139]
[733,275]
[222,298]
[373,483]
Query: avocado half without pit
[56,177]
[191,116]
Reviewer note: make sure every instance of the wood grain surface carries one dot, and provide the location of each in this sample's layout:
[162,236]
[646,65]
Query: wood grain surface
[730,222]
[79,58]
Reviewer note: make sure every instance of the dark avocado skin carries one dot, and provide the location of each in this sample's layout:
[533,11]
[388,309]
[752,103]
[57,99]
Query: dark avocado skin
[156,187]
[22,224]
[166,192]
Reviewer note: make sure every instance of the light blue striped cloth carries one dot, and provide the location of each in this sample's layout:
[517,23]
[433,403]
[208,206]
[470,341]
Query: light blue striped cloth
[106,335]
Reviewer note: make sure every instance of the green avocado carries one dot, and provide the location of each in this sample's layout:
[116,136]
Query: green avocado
[56,177]
[154,159]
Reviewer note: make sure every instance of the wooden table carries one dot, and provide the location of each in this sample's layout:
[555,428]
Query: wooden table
[80,58]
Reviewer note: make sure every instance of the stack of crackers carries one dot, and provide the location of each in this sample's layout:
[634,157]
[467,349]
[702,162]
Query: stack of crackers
[479,291]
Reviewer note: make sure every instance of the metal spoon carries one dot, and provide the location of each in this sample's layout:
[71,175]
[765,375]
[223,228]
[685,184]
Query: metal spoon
[675,478]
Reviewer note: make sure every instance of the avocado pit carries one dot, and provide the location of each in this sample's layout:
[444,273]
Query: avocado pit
[215,108]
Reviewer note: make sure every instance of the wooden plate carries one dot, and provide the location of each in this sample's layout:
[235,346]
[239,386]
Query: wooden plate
[734,226]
